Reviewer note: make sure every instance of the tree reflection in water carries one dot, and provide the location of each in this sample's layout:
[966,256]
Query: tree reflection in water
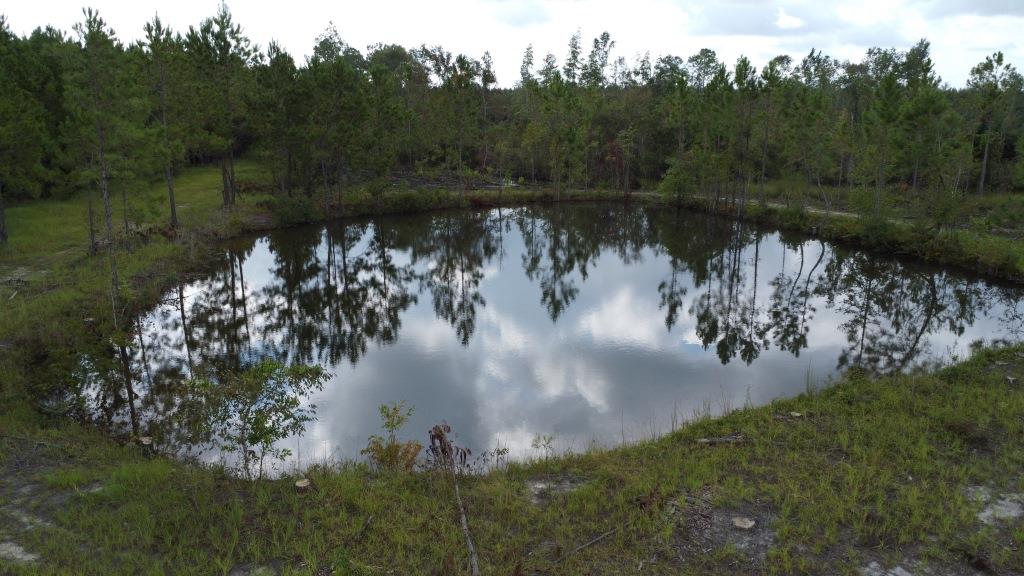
[324,295]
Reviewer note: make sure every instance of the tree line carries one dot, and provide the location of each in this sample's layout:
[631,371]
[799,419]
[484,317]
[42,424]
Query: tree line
[88,113]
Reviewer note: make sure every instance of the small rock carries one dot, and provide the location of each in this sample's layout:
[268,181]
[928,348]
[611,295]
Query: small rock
[146,441]
[978,493]
[1011,380]
[796,415]
[542,489]
[94,488]
[876,569]
[30,521]
[730,439]
[252,570]
[743,523]
[303,485]
[15,553]
[1007,508]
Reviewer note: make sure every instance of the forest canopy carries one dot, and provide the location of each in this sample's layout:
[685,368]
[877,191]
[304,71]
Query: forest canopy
[82,108]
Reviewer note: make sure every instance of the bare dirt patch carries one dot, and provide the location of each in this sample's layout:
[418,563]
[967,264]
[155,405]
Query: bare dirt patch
[542,490]
[13,552]
[744,530]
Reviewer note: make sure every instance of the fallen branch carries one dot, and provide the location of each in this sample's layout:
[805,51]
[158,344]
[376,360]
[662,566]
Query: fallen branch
[730,439]
[590,543]
[450,456]
[362,530]
[465,528]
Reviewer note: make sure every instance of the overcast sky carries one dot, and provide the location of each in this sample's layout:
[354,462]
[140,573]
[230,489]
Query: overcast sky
[962,32]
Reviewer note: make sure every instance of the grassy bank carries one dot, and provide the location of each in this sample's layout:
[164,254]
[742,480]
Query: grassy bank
[46,271]
[870,470]
[980,250]
[56,296]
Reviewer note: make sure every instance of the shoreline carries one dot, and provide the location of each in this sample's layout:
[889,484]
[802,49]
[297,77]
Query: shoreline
[808,471]
[888,459]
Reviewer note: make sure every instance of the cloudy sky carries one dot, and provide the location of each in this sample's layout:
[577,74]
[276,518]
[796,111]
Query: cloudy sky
[962,32]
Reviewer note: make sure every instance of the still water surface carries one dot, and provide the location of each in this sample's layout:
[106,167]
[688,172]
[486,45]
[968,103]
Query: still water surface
[589,323]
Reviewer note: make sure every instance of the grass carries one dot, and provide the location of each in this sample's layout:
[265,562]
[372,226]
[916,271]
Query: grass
[49,283]
[981,247]
[872,469]
[996,213]
[55,232]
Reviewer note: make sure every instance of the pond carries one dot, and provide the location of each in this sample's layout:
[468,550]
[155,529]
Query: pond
[542,329]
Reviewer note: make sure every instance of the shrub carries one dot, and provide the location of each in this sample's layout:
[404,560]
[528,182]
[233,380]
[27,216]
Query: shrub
[387,452]
[793,216]
[247,412]
[293,210]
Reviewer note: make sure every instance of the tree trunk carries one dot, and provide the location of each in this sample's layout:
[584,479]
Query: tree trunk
[92,226]
[231,175]
[327,188]
[474,565]
[625,180]
[186,334]
[101,144]
[142,353]
[917,167]
[3,217]
[224,181]
[288,174]
[169,177]
[126,370]
[764,153]
[228,160]
[984,165]
[115,283]
[124,215]
[169,159]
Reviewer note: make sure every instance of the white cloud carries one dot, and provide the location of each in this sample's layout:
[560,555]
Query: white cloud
[787,22]
[626,320]
[558,375]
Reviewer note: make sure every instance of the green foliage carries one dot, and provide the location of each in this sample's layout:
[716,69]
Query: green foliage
[793,217]
[345,118]
[345,566]
[678,180]
[387,452]
[543,443]
[293,210]
[908,446]
[869,204]
[247,412]
[1018,170]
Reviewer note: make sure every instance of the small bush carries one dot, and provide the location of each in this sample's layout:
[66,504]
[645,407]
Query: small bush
[793,217]
[248,412]
[387,452]
[293,210]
